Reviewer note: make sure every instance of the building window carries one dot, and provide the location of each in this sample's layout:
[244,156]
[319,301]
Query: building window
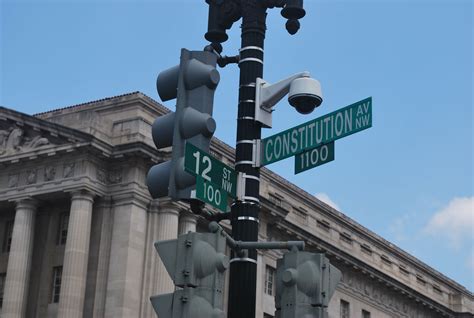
[62,229]
[345,237]
[386,260]
[301,213]
[276,198]
[437,289]
[269,280]
[56,284]
[403,270]
[325,225]
[7,240]
[420,279]
[366,249]
[365,314]
[2,287]
[344,309]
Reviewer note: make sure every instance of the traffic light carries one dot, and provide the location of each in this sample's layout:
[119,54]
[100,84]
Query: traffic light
[193,83]
[305,284]
[196,262]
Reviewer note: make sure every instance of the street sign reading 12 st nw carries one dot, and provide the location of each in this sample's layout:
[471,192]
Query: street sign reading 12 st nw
[202,164]
[322,130]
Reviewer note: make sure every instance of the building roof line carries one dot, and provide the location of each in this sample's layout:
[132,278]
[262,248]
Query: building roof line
[111,98]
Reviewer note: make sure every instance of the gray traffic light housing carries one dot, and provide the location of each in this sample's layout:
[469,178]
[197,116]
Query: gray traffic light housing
[196,262]
[193,83]
[305,283]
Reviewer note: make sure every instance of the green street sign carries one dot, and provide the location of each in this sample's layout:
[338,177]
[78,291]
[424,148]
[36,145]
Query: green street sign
[322,130]
[202,164]
[314,157]
[210,193]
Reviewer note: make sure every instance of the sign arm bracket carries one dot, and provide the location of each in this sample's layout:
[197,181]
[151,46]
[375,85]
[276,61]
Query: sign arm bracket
[240,246]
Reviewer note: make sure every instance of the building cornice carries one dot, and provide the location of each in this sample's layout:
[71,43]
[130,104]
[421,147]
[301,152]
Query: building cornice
[340,256]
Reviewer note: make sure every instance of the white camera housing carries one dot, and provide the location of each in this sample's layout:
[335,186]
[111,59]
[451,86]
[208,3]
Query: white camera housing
[304,94]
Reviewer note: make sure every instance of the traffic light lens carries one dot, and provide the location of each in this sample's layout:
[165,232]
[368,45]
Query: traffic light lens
[289,276]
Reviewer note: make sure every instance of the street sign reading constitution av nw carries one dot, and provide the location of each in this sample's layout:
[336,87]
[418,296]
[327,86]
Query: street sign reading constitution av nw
[322,130]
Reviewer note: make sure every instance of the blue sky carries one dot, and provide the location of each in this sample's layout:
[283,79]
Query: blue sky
[409,178]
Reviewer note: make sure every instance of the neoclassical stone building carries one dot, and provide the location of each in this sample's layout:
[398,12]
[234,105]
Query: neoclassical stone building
[77,225]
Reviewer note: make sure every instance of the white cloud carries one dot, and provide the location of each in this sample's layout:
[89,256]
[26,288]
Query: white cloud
[455,221]
[325,198]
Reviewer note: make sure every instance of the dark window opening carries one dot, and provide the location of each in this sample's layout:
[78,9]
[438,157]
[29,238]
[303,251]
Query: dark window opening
[386,260]
[420,280]
[269,280]
[2,287]
[325,225]
[404,270]
[366,249]
[56,284]
[7,240]
[345,313]
[62,229]
[345,237]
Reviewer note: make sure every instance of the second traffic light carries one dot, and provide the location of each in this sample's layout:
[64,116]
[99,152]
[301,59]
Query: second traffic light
[193,83]
[197,263]
[305,284]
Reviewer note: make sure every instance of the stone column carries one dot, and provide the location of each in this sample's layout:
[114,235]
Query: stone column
[105,208]
[19,260]
[150,261]
[76,253]
[187,222]
[168,214]
[127,255]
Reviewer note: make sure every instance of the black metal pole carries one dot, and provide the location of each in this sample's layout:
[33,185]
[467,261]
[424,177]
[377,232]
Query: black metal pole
[243,270]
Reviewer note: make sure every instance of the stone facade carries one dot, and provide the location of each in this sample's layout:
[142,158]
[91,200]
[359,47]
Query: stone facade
[77,225]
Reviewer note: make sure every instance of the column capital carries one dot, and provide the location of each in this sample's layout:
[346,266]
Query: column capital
[164,206]
[82,194]
[186,215]
[131,197]
[104,201]
[187,222]
[26,203]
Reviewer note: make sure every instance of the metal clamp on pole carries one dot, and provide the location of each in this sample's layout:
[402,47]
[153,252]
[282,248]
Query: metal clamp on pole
[256,153]
[239,246]
[241,185]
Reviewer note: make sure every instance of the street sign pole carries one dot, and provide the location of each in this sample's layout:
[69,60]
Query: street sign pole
[245,211]
[243,270]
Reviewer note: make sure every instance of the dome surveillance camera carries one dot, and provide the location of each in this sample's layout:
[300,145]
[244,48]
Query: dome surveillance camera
[305,94]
